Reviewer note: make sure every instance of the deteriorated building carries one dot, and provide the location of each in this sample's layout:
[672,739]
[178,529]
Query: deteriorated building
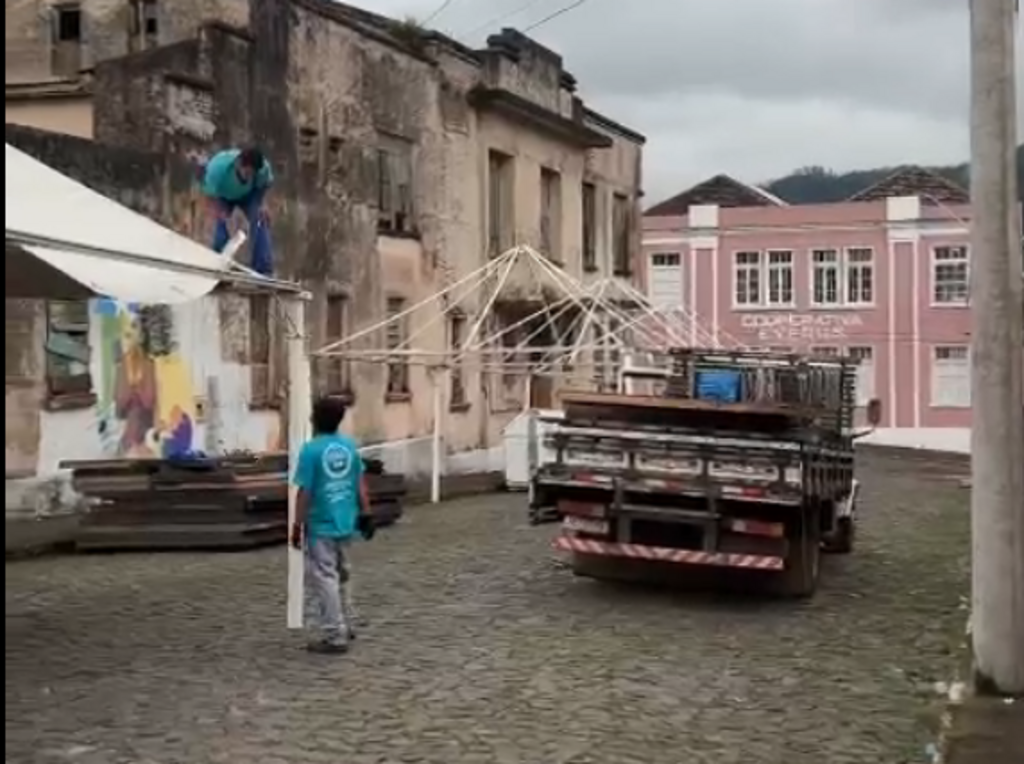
[404,160]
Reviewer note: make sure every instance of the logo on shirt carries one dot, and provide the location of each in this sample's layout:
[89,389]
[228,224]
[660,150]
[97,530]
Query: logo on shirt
[337,462]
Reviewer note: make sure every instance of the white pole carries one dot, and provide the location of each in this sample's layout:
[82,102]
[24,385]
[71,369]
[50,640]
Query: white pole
[300,408]
[440,378]
[997,501]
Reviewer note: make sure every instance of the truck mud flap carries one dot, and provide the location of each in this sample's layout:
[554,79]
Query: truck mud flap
[667,555]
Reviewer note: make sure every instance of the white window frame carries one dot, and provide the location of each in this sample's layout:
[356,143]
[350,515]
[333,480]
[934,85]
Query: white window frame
[861,267]
[836,265]
[746,269]
[826,351]
[936,263]
[944,399]
[864,380]
[766,272]
[779,270]
[844,267]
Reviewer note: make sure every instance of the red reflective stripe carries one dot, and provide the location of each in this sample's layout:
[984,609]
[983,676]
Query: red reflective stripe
[664,554]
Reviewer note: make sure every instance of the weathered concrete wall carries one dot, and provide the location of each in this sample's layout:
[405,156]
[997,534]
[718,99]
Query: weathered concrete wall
[23,393]
[618,170]
[108,30]
[27,34]
[516,63]
[323,94]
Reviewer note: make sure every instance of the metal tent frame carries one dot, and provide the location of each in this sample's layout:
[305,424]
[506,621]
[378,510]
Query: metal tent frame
[566,320]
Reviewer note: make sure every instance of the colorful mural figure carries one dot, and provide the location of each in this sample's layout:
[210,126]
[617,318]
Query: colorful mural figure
[147,403]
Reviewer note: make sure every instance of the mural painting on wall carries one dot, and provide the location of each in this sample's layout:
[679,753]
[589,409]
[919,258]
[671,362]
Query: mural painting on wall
[800,327]
[147,405]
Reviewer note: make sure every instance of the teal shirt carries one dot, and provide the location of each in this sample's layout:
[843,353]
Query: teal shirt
[330,470]
[221,180]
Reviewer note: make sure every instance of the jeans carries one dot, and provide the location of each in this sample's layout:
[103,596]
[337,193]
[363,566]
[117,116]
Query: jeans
[252,207]
[328,605]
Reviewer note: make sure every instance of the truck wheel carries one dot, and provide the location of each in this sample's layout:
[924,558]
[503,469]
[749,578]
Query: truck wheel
[843,539]
[803,563]
[593,566]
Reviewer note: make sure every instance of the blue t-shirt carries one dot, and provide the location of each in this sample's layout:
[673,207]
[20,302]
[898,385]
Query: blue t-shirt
[330,470]
[221,180]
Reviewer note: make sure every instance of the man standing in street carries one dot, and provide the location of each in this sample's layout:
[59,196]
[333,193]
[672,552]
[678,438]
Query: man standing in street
[239,179]
[333,505]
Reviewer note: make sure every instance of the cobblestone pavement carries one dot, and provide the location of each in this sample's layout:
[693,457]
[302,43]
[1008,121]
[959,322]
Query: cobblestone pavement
[482,651]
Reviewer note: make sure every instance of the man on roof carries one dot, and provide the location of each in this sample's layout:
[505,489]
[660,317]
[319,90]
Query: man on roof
[239,179]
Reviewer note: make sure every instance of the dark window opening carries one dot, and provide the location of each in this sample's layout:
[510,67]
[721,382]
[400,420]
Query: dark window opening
[395,188]
[68,353]
[457,397]
[260,350]
[500,204]
[69,24]
[623,235]
[589,227]
[397,334]
[551,214]
[338,379]
[66,47]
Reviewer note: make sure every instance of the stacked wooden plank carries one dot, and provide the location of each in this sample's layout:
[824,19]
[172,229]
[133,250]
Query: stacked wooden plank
[223,503]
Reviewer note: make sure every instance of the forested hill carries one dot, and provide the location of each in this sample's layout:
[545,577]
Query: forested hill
[818,185]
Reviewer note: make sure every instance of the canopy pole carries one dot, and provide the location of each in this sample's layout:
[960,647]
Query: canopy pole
[300,411]
[440,378]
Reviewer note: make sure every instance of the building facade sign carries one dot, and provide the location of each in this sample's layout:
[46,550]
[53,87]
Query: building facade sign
[800,327]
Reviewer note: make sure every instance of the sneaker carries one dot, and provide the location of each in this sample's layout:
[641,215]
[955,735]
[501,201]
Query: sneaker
[328,648]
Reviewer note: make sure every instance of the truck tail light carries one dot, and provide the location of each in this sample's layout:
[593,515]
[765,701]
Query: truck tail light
[581,509]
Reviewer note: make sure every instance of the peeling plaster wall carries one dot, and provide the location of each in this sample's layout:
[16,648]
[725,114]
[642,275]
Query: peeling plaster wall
[106,30]
[320,96]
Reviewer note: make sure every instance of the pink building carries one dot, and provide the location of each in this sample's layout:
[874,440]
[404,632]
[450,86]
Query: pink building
[883,277]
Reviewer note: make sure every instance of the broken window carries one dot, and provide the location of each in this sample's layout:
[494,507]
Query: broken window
[338,379]
[622,222]
[67,40]
[457,331]
[395,188]
[500,203]
[144,32]
[589,227]
[260,350]
[67,348]
[511,338]
[551,214]
[397,335]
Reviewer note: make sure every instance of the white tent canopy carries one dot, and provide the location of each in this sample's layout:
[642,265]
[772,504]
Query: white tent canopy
[66,241]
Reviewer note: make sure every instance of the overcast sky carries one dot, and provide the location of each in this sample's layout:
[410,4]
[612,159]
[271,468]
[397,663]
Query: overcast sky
[753,88]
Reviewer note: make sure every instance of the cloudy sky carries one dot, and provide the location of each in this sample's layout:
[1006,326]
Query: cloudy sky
[754,88]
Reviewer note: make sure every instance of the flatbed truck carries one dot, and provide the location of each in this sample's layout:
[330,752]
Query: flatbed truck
[740,460]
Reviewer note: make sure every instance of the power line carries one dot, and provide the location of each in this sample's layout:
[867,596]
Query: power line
[504,17]
[437,12]
[555,15]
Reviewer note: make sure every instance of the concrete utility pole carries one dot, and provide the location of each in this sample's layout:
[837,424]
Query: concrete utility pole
[997,504]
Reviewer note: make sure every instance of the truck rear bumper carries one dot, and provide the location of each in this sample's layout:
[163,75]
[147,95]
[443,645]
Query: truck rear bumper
[567,543]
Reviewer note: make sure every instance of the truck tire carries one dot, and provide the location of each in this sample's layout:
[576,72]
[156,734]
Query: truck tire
[595,567]
[842,540]
[802,573]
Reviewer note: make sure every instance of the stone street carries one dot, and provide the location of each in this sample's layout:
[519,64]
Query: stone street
[481,650]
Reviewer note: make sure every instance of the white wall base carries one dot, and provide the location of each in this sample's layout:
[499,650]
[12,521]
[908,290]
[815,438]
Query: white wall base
[951,440]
